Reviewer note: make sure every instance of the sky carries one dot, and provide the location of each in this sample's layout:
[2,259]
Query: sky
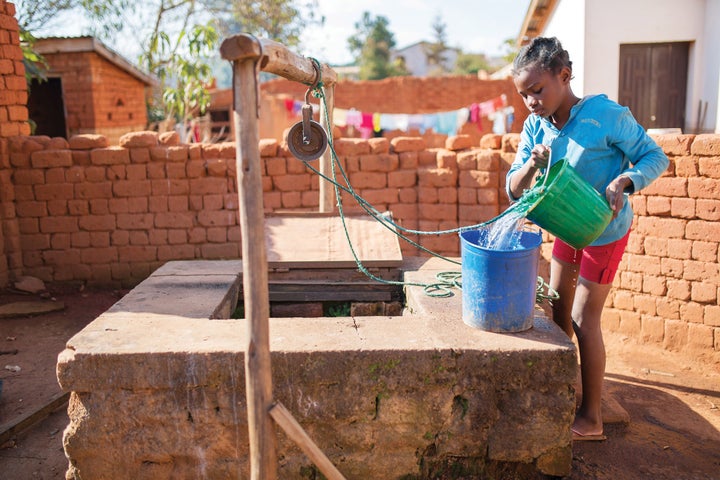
[475,26]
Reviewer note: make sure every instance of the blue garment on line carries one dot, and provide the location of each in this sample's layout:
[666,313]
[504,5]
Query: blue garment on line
[601,140]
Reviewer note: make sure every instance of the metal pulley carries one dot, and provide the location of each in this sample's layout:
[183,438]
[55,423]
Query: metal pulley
[307,140]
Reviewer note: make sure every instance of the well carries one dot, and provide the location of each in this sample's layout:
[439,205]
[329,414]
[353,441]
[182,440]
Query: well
[158,387]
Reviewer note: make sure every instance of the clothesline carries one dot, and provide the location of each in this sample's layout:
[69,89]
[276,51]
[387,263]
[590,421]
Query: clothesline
[446,122]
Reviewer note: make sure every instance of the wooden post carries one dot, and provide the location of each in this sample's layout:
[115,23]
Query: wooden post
[246,52]
[258,378]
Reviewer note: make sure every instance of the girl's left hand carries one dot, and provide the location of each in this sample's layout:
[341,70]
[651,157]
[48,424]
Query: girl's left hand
[614,193]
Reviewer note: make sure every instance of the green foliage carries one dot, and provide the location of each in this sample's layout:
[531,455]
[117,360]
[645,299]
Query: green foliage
[471,63]
[435,52]
[371,44]
[35,65]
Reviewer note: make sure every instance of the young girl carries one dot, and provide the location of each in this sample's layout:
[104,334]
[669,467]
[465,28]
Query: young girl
[610,150]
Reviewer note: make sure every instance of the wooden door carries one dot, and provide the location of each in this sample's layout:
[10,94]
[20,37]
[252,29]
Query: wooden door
[653,82]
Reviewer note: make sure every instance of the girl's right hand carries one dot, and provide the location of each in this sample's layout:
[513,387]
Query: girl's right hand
[540,156]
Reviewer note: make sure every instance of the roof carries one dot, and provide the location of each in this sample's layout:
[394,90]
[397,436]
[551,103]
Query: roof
[50,45]
[536,18]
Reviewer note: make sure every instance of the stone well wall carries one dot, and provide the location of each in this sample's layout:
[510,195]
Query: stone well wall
[158,388]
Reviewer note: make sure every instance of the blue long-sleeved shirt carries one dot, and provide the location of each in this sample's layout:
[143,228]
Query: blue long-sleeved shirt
[601,140]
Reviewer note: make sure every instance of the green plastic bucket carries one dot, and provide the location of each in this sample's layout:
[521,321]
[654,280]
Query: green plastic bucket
[569,207]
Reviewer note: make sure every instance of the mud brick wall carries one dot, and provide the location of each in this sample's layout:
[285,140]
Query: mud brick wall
[668,290]
[13,121]
[409,95]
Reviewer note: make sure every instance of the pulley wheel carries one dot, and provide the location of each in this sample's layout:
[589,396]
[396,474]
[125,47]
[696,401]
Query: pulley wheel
[311,150]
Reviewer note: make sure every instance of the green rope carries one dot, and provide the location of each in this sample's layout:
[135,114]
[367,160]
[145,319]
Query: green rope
[446,281]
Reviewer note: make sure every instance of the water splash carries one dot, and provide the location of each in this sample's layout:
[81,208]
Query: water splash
[505,232]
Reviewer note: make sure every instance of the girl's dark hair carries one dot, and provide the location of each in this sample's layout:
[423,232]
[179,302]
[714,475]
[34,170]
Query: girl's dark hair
[544,52]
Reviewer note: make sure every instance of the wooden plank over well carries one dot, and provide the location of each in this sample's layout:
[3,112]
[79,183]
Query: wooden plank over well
[319,241]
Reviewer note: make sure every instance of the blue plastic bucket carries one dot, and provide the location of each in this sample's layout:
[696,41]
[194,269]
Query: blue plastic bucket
[499,286]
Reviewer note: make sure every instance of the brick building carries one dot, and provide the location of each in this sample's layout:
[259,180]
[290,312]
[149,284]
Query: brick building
[90,89]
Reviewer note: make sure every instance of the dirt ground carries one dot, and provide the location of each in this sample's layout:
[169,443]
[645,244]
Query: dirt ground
[673,401]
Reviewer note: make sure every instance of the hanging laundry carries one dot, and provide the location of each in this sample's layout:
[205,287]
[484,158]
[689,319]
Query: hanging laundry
[376,122]
[340,117]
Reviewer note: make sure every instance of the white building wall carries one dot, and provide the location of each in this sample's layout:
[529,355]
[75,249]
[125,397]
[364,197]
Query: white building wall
[593,30]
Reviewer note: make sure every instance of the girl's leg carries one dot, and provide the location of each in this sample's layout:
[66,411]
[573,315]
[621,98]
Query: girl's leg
[563,279]
[587,309]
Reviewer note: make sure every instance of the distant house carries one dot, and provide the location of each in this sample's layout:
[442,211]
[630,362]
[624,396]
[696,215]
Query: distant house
[658,57]
[90,89]
[415,58]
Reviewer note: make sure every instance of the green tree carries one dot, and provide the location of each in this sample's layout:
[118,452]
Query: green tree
[471,63]
[436,51]
[177,39]
[372,45]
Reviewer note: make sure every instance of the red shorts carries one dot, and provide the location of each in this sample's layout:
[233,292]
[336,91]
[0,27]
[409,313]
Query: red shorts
[597,264]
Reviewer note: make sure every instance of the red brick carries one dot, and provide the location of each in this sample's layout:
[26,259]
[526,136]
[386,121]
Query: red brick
[97,222]
[134,254]
[379,145]
[136,172]
[701,271]
[176,252]
[474,214]
[138,139]
[55,191]
[632,281]
[170,187]
[711,315]
[135,221]
[51,158]
[492,141]
[675,335]
[130,188]
[78,207]
[216,218]
[682,207]
[644,304]
[708,209]
[702,230]
[670,186]
[459,142]
[351,146]
[691,312]
[668,308]
[652,329]
[425,158]
[219,251]
[705,251]
[174,220]
[654,285]
[379,163]
[709,167]
[359,181]
[407,144]
[87,142]
[208,185]
[703,292]
[168,154]
[700,336]
[139,237]
[679,248]
[99,255]
[706,144]
[674,144]
[219,150]
[28,176]
[658,206]
[110,156]
[467,160]
[668,227]
[275,166]
[704,188]
[679,289]
[630,323]
[139,155]
[402,178]
[58,224]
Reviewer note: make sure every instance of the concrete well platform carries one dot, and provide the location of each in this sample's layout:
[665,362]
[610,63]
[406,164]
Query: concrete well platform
[158,385]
